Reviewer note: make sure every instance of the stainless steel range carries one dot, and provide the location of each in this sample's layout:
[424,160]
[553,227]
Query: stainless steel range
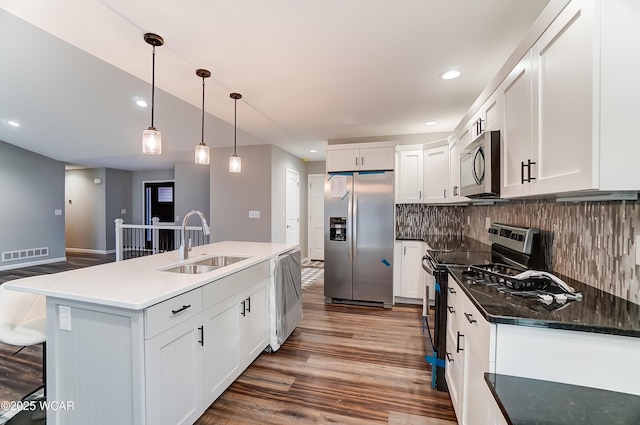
[514,252]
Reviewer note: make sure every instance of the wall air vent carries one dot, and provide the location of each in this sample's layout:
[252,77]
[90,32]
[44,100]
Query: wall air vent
[25,254]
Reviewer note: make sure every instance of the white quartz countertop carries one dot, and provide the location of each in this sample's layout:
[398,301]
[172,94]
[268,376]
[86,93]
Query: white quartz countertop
[140,282]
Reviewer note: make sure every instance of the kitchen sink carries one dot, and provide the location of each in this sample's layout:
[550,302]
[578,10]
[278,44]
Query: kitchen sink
[219,261]
[205,265]
[191,269]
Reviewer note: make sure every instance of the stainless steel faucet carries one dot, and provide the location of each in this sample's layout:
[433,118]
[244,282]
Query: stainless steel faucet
[184,249]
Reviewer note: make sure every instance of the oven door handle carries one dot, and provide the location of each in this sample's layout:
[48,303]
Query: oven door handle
[428,264]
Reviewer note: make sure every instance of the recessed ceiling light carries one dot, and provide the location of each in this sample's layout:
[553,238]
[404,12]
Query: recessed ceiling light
[13,123]
[431,123]
[313,151]
[141,103]
[451,74]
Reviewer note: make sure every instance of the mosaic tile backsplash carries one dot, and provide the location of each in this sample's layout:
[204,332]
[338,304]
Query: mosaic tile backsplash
[593,242]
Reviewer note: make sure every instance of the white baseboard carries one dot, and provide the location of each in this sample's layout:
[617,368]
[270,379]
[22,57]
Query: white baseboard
[33,263]
[90,251]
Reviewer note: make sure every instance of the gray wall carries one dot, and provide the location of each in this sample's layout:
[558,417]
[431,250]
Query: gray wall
[137,189]
[316,167]
[233,195]
[191,189]
[85,209]
[33,188]
[280,162]
[91,207]
[117,197]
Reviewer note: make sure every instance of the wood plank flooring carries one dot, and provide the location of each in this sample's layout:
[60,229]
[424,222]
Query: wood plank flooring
[343,365]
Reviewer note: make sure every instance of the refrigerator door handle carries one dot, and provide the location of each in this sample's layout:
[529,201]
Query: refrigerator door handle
[350,229]
[355,225]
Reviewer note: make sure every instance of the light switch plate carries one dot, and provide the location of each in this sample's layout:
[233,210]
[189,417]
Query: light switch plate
[57,212]
[65,318]
[123,211]
[254,214]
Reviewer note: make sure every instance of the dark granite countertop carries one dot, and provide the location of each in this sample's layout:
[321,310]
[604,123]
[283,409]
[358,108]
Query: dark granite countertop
[525,401]
[598,311]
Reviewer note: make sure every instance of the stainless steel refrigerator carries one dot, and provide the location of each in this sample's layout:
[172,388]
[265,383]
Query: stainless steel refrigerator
[359,233]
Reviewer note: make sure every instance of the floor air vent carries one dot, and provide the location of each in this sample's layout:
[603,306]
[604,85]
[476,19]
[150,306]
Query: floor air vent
[24,254]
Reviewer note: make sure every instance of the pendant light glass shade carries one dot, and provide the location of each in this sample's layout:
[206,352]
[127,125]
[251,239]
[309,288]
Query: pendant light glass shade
[203,156]
[235,163]
[202,150]
[151,141]
[152,138]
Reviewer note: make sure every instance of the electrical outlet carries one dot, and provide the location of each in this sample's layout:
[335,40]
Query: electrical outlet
[65,318]
[123,211]
[468,220]
[487,223]
[638,250]
[254,214]
[57,212]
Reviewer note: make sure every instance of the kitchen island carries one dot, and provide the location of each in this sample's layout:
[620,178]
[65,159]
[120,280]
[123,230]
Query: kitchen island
[135,343]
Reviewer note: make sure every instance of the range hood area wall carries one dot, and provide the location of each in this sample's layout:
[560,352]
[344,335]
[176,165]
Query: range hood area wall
[593,242]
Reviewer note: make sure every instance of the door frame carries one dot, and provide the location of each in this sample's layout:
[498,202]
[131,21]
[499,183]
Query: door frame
[309,227]
[286,201]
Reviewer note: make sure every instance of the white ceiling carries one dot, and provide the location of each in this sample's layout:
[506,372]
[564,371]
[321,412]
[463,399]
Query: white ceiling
[309,71]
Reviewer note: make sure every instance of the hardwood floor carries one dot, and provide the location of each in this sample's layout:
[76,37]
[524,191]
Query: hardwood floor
[342,365]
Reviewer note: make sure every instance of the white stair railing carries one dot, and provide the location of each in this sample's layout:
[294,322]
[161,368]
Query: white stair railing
[137,240]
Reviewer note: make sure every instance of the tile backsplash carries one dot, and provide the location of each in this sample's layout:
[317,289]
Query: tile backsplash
[593,242]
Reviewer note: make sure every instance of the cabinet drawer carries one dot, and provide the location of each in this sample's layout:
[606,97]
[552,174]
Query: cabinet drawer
[171,312]
[477,332]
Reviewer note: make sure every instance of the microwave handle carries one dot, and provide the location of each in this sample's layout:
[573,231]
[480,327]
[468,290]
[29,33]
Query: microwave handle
[480,152]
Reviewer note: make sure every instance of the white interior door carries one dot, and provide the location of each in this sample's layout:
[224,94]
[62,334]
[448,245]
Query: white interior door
[292,208]
[316,217]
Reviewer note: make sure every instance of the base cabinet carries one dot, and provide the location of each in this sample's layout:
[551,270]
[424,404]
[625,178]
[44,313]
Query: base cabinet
[160,366]
[174,375]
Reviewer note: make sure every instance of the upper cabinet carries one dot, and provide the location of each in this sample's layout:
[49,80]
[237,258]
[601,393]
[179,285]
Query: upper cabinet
[410,175]
[436,174]
[569,105]
[361,156]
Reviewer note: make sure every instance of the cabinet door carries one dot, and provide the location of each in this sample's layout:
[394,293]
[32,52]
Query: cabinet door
[493,113]
[221,347]
[343,160]
[412,280]
[465,137]
[410,177]
[564,144]
[174,374]
[254,324]
[519,129]
[454,173]
[436,174]
[377,158]
[477,397]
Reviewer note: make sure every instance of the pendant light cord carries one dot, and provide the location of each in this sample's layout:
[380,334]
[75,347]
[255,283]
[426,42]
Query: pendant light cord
[202,139]
[235,124]
[153,82]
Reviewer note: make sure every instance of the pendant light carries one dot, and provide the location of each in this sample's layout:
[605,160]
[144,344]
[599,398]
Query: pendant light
[152,138]
[235,164]
[202,150]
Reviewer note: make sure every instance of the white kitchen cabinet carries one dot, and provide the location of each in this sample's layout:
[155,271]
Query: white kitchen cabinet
[436,174]
[454,370]
[222,349]
[174,374]
[412,274]
[454,173]
[254,325]
[361,156]
[410,176]
[569,125]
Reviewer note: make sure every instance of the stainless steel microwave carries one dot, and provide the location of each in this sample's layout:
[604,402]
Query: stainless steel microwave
[480,167]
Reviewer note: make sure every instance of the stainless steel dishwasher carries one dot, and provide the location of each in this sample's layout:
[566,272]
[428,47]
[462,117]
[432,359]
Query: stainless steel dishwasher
[286,298]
